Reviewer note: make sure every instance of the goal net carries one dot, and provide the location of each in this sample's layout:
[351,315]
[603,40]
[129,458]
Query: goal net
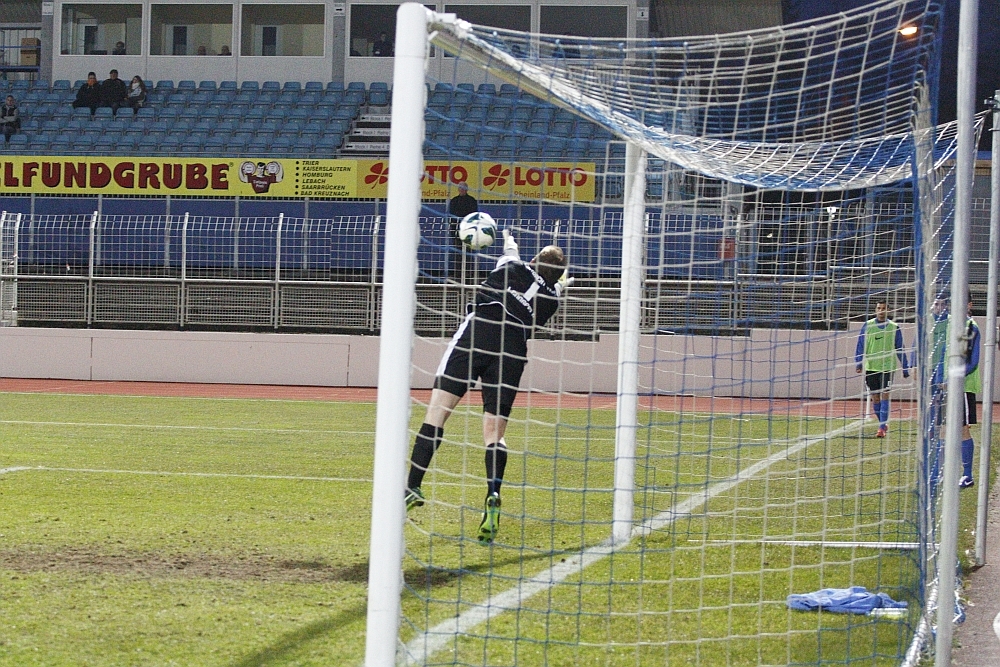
[692,442]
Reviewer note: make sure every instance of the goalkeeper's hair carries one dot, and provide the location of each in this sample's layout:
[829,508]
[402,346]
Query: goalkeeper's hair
[550,263]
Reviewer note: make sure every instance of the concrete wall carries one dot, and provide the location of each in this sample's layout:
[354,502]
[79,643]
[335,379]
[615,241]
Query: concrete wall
[769,363]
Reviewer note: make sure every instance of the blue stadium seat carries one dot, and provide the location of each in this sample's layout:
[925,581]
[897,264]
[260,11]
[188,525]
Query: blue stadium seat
[546,113]
[204,125]
[211,113]
[250,124]
[268,127]
[379,85]
[299,114]
[281,145]
[136,129]
[227,85]
[103,113]
[243,135]
[304,146]
[53,98]
[39,144]
[292,85]
[309,98]
[187,84]
[128,144]
[313,129]
[238,143]
[178,100]
[328,102]
[356,85]
[292,126]
[40,84]
[60,84]
[250,86]
[147,112]
[215,145]
[64,111]
[562,128]
[207,85]
[378,98]
[155,137]
[329,143]
[224,126]
[314,85]
[190,113]
[272,86]
[488,89]
[335,86]
[76,124]
[163,86]
[170,114]
[266,98]
[201,98]
[468,87]
[259,147]
[52,126]
[81,112]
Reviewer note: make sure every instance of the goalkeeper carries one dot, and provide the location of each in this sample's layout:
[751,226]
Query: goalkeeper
[490,345]
[879,344]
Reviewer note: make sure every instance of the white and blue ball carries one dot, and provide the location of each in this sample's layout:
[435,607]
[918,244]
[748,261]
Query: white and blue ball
[477,230]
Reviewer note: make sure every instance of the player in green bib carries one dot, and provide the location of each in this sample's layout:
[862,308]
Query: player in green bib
[880,343]
[972,387]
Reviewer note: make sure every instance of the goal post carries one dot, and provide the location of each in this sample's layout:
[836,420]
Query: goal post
[684,454]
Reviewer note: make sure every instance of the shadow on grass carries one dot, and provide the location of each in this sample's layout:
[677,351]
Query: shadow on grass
[291,642]
[432,577]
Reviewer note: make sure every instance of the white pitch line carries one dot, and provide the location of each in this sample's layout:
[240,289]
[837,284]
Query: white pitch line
[184,427]
[423,646]
[155,473]
[13,469]
[902,546]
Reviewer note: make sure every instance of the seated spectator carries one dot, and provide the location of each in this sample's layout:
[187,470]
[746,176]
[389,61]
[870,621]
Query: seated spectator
[114,92]
[137,94]
[9,119]
[119,49]
[202,51]
[224,51]
[89,95]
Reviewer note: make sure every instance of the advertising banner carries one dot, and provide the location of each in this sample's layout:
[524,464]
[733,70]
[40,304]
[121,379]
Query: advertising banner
[288,178]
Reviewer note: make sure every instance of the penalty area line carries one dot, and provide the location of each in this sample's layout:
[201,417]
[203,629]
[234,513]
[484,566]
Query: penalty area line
[419,649]
[157,473]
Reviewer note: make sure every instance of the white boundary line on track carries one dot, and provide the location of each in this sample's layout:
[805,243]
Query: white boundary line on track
[423,646]
[154,473]
[189,427]
[837,544]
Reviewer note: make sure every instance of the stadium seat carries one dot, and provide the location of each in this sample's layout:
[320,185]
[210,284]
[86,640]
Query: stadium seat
[81,112]
[224,127]
[51,126]
[488,89]
[335,86]
[227,85]
[250,86]
[60,84]
[207,85]
[466,87]
[163,86]
[378,98]
[201,98]
[312,129]
[309,98]
[146,112]
[356,85]
[190,113]
[128,144]
[187,84]
[103,113]
[211,113]
[379,85]
[292,85]
[299,114]
[137,129]
[215,145]
[304,146]
[63,111]
[281,145]
[272,86]
[314,86]
[259,147]
[329,143]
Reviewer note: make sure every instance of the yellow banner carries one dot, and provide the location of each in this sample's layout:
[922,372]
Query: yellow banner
[288,178]
[489,181]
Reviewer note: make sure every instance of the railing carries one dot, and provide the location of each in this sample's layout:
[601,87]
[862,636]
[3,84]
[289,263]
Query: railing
[283,273]
[20,52]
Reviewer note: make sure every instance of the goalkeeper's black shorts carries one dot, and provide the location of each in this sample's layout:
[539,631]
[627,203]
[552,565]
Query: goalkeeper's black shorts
[970,417]
[486,350]
[878,381]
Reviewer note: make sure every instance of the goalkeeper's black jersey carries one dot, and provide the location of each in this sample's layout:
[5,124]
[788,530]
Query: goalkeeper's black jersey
[516,289]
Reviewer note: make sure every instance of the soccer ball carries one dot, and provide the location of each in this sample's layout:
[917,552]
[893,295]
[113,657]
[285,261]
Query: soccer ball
[477,230]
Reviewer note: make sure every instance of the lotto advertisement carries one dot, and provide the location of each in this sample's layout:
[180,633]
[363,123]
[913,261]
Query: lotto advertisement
[289,178]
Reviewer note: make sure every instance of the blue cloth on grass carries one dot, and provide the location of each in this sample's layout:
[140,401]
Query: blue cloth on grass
[853,600]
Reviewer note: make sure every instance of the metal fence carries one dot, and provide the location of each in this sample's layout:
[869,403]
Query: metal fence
[283,273]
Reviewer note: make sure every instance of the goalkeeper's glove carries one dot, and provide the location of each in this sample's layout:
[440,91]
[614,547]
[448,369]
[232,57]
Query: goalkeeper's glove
[509,245]
[565,281]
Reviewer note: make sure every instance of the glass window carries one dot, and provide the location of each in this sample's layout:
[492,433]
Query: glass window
[190,30]
[101,29]
[585,21]
[373,29]
[506,17]
[282,30]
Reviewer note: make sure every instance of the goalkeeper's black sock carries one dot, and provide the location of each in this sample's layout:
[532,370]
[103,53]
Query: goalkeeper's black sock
[426,443]
[496,463]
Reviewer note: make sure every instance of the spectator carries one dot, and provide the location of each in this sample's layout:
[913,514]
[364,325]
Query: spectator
[119,49]
[382,47]
[89,95]
[137,94]
[9,119]
[114,92]
[224,51]
[202,51]
[463,204]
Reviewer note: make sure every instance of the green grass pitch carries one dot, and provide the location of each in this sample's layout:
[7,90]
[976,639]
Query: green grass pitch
[171,531]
